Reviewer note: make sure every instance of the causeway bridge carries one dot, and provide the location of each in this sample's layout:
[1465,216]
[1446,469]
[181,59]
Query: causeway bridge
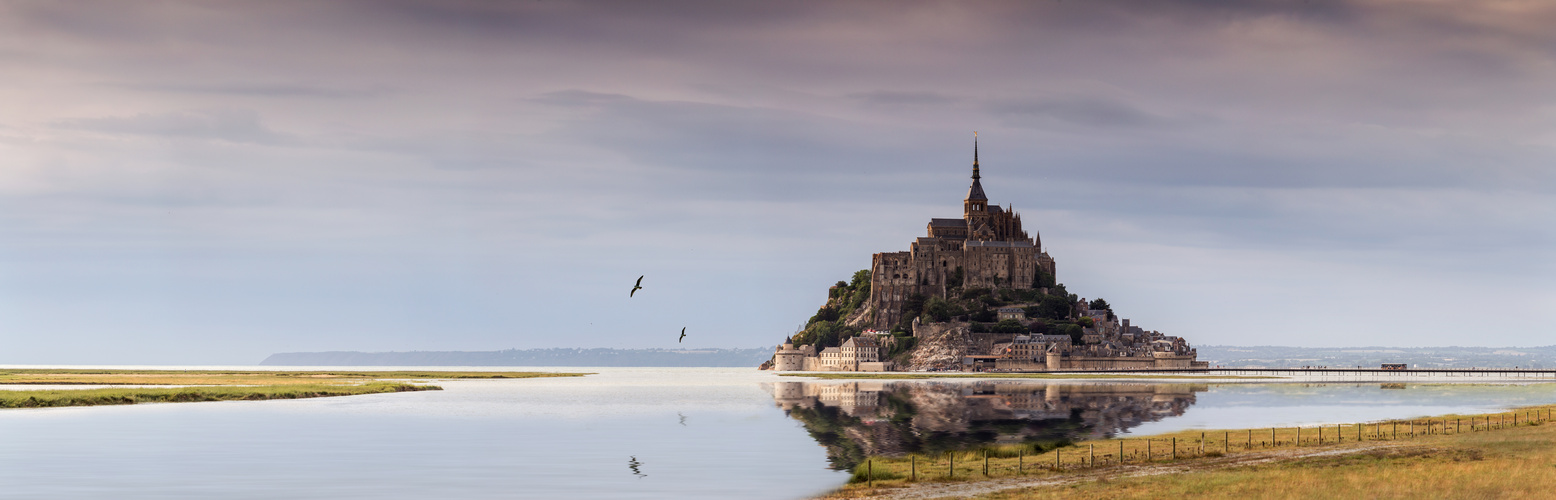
[1350,373]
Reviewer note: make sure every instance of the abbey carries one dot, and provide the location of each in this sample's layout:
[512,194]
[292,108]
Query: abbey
[985,248]
[976,293]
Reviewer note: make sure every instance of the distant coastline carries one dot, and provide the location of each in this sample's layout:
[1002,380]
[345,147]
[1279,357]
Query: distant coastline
[531,357]
[1372,356]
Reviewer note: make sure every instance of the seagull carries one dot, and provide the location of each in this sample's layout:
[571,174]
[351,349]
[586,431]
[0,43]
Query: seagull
[683,335]
[683,418]
[636,287]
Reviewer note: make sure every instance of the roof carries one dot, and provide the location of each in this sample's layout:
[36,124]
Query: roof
[991,243]
[976,191]
[1012,309]
[948,222]
[862,342]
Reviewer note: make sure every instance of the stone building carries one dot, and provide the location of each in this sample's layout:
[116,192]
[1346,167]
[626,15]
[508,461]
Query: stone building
[863,353]
[985,248]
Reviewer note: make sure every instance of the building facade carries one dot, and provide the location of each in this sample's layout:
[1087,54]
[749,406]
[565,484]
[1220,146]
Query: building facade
[985,248]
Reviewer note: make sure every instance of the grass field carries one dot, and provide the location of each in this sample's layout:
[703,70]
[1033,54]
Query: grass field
[1454,456]
[219,385]
[923,376]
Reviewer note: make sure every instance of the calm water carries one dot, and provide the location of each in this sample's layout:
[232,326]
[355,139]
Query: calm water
[693,432]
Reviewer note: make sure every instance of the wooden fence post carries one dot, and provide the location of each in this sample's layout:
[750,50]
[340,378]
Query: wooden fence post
[913,463]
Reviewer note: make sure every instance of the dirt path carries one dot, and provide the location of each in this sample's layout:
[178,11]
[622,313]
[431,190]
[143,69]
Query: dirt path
[935,490]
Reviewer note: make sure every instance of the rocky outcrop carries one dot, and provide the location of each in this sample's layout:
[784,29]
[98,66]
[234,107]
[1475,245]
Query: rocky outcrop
[861,317]
[941,347]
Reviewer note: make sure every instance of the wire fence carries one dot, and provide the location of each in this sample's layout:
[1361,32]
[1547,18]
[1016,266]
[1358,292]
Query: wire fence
[1129,451]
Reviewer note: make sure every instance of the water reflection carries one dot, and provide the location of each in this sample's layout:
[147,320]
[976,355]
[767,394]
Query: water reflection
[854,420]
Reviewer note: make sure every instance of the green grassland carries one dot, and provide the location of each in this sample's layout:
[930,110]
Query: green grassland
[219,385]
[1453,456]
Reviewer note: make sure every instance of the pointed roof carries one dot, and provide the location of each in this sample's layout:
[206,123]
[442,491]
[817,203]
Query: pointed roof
[976,191]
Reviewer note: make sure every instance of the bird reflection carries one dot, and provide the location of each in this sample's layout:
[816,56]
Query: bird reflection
[633,464]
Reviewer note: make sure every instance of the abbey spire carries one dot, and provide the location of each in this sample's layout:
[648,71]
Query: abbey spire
[976,191]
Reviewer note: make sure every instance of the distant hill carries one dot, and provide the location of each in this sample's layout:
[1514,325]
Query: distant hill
[529,357]
[1371,357]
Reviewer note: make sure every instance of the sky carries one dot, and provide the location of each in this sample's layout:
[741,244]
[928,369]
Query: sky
[213,182]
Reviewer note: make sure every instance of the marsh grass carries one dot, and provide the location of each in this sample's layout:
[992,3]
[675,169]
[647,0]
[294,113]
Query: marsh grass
[235,377]
[219,385]
[1452,456]
[126,396]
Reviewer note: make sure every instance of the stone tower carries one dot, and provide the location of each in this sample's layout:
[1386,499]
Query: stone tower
[975,208]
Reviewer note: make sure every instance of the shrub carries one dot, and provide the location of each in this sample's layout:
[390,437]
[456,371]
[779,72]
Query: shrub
[1054,307]
[826,313]
[1042,279]
[1009,326]
[941,310]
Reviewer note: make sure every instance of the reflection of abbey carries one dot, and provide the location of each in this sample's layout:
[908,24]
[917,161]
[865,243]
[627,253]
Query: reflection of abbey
[974,293]
[892,418]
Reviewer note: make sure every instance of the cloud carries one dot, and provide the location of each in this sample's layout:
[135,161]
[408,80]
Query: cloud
[548,142]
[901,98]
[1073,111]
[276,90]
[225,125]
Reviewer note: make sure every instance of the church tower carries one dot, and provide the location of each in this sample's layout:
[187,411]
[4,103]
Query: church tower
[975,208]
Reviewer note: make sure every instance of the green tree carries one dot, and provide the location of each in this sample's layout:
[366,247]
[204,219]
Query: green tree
[941,310]
[861,279]
[1073,330]
[1054,307]
[955,279]
[1100,305]
[826,313]
[1086,322]
[1038,326]
[1042,279]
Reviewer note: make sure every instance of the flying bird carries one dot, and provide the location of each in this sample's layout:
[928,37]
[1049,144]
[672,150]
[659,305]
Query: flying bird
[683,418]
[683,335]
[635,287]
